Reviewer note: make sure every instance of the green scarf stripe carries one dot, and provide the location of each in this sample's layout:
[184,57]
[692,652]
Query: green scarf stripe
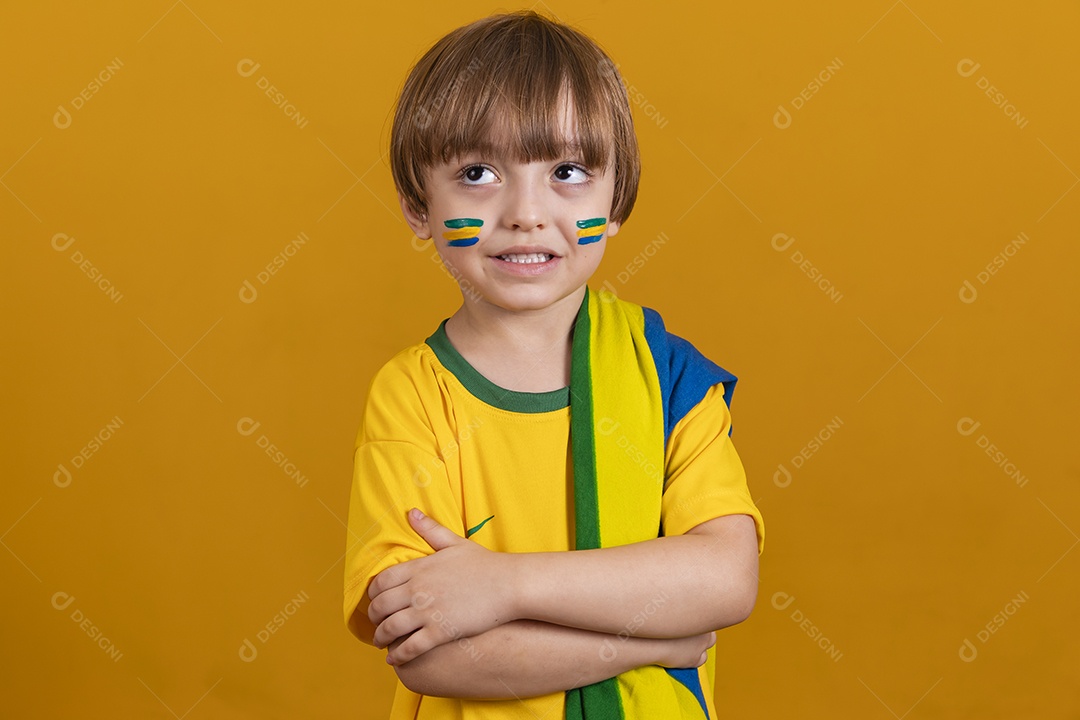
[586,500]
[574,710]
[602,700]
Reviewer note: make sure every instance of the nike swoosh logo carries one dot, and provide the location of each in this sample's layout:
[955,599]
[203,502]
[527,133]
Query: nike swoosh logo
[470,531]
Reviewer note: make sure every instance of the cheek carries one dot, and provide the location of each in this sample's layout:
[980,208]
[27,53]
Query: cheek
[462,232]
[453,262]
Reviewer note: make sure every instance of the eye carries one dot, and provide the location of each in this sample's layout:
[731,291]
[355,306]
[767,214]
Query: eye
[572,174]
[477,175]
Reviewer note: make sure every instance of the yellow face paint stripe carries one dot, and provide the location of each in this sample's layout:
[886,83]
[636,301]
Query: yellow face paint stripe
[461,234]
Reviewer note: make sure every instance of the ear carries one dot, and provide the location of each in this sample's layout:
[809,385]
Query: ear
[419,223]
[613,228]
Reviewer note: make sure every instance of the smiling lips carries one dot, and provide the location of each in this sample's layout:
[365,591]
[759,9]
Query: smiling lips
[526,258]
[523,261]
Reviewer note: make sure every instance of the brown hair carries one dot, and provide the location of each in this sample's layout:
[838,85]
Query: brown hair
[508,74]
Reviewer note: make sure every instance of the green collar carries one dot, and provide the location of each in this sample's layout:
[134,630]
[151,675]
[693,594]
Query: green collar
[487,391]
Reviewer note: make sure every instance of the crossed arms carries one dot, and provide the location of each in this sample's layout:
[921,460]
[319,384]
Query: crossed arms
[527,624]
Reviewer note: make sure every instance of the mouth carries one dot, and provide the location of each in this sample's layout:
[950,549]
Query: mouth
[526,258]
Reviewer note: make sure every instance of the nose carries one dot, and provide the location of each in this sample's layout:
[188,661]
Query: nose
[526,208]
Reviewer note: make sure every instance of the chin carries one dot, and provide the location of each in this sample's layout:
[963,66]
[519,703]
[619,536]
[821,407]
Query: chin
[528,299]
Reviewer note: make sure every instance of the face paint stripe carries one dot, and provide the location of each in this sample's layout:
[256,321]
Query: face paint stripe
[463,243]
[464,222]
[589,232]
[587,240]
[466,232]
[591,223]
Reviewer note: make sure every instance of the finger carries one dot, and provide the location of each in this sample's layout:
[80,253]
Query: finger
[391,577]
[397,598]
[392,647]
[436,535]
[376,585]
[397,625]
[414,646]
[705,653]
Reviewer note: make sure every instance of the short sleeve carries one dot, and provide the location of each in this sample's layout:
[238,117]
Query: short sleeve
[704,477]
[396,466]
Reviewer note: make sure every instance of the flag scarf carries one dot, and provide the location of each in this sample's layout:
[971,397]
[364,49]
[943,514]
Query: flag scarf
[630,382]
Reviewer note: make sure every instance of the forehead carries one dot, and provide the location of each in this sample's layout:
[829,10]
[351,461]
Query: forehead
[507,135]
[523,132]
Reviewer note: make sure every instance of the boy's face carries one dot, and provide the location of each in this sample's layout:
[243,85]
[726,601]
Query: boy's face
[519,236]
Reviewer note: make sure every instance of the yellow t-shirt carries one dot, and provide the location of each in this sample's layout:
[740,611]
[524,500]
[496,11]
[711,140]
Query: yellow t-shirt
[495,465]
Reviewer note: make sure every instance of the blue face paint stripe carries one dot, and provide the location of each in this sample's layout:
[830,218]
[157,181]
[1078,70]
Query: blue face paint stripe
[465,242]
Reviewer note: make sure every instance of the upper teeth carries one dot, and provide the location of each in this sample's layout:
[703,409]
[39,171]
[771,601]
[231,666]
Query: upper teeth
[527,258]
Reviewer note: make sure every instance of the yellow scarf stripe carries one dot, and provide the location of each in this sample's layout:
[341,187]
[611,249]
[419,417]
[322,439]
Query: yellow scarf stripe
[628,420]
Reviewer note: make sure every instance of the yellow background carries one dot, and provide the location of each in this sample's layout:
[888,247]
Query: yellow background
[899,180]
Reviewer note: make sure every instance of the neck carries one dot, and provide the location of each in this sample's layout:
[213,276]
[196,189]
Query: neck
[520,350]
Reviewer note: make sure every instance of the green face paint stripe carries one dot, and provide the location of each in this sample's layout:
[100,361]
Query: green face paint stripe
[470,531]
[464,222]
[591,222]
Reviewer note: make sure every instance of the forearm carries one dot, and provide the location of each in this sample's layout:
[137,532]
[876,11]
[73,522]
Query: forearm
[525,658]
[662,588]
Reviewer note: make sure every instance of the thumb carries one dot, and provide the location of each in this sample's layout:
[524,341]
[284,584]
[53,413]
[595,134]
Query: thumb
[437,536]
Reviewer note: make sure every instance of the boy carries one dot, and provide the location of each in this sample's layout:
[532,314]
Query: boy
[542,417]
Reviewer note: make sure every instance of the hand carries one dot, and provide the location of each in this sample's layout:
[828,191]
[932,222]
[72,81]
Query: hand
[688,651]
[462,590]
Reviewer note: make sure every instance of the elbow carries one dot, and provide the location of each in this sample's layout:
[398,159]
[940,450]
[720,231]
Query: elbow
[746,600]
[422,679]
[411,680]
[746,597]
[733,581]
[412,676]
[745,588]
[739,600]
[423,676]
